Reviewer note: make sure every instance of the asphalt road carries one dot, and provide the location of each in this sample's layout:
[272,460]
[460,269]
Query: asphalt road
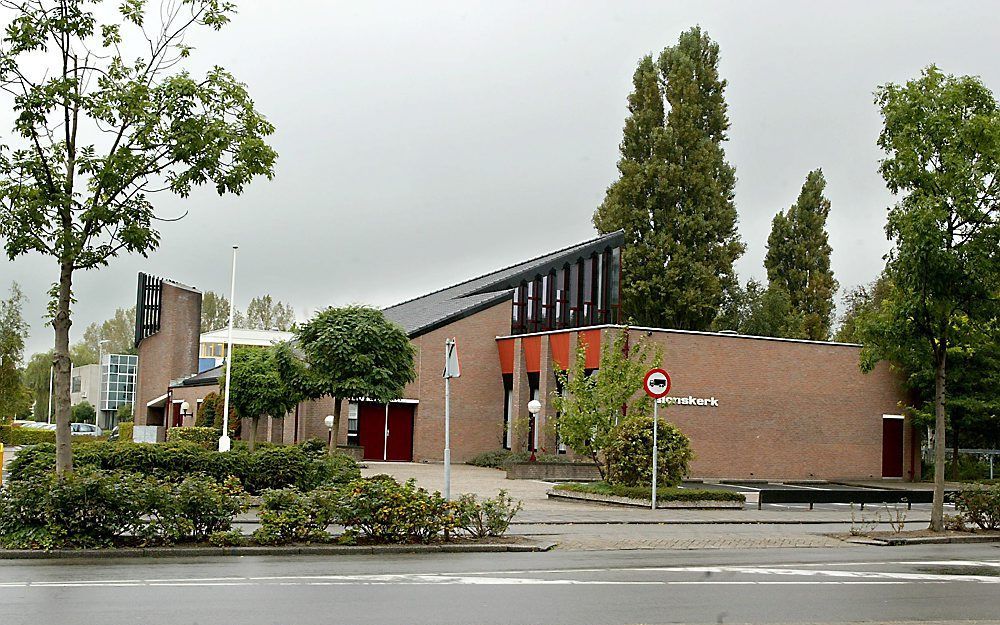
[940,582]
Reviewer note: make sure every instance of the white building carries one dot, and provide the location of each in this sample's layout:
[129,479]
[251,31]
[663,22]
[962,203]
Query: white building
[212,345]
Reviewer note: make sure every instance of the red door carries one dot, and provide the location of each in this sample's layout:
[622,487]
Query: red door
[892,447]
[386,435]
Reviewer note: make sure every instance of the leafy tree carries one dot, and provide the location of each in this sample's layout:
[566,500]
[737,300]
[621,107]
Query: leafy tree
[257,389]
[941,136]
[264,313]
[757,311]
[674,196]
[119,332]
[84,412]
[631,450]
[15,398]
[347,353]
[215,311]
[106,121]
[592,405]
[862,298]
[206,415]
[125,413]
[798,257]
[36,378]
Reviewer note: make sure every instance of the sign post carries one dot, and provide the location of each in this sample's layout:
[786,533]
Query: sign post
[657,385]
[451,370]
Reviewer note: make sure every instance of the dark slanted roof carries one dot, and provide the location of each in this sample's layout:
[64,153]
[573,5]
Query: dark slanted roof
[434,310]
[207,377]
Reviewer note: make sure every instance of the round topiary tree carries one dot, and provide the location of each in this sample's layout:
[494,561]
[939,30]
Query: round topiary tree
[630,453]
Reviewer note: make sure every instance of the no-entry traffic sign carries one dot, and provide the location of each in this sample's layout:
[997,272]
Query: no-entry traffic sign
[657,383]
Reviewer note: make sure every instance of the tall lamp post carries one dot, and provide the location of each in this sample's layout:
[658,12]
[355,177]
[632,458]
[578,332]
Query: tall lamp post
[225,443]
[329,436]
[534,407]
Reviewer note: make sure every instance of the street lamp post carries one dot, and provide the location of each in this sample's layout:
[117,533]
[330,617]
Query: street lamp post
[225,444]
[185,411]
[534,407]
[329,436]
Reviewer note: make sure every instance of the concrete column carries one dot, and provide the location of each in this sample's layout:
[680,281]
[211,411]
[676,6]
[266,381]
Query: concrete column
[520,396]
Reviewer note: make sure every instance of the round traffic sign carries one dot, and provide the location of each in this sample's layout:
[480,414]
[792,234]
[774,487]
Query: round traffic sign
[657,383]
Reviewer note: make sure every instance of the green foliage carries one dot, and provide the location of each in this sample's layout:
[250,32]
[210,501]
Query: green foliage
[36,378]
[756,311]
[107,121]
[84,412]
[124,413]
[98,509]
[348,352]
[119,331]
[591,405]
[864,298]
[941,136]
[482,518]
[662,494]
[10,435]
[206,417]
[15,397]
[203,437]
[980,504]
[674,196]
[269,468]
[264,313]
[256,389]
[381,510]
[630,453]
[291,516]
[502,458]
[125,431]
[214,311]
[798,258]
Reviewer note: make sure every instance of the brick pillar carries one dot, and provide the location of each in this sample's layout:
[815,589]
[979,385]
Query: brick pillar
[520,396]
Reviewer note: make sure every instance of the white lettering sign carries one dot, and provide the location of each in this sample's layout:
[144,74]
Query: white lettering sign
[710,402]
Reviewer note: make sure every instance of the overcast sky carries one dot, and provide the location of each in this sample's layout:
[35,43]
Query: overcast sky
[424,143]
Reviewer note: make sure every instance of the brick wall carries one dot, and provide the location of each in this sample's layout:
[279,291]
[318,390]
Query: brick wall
[171,353]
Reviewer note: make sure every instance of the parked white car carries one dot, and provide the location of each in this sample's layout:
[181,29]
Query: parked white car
[86,429]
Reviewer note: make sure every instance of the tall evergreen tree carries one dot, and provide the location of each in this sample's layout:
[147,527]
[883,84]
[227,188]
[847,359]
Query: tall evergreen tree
[798,257]
[14,396]
[674,198]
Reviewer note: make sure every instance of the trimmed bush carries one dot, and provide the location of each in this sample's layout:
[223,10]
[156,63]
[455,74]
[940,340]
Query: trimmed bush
[481,518]
[203,437]
[100,509]
[979,504]
[290,516]
[502,458]
[381,510]
[630,453]
[662,494]
[125,430]
[269,468]
[31,436]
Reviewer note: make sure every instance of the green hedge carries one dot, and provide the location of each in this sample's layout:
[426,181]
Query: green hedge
[501,458]
[273,467]
[201,436]
[31,436]
[662,494]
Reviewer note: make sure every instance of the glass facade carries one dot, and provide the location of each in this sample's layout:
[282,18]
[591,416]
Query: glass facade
[118,373]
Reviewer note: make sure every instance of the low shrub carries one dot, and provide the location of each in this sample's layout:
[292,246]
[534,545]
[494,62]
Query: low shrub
[12,436]
[267,468]
[662,494]
[92,508]
[290,516]
[481,518]
[125,432]
[979,504]
[630,453]
[381,510]
[502,458]
[207,438]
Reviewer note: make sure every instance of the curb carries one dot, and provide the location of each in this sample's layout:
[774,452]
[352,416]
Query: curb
[929,540]
[703,522]
[302,550]
[615,500]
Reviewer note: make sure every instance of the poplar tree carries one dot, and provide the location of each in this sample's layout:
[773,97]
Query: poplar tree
[798,257]
[674,196]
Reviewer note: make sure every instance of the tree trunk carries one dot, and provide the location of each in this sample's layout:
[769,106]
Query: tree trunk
[252,435]
[335,435]
[937,508]
[61,375]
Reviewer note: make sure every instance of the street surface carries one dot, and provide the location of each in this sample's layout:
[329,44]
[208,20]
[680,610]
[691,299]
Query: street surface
[922,583]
